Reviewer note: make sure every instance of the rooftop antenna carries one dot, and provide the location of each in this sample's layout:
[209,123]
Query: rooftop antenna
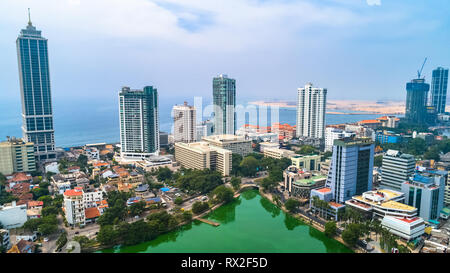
[419,72]
[29,17]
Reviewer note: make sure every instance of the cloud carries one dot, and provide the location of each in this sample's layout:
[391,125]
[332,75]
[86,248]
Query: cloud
[374,2]
[229,25]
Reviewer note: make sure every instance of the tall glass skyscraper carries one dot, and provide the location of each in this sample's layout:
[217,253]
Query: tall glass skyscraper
[34,77]
[416,101]
[224,100]
[439,89]
[139,123]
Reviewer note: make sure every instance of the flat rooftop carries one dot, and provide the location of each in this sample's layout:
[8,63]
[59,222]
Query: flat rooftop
[225,138]
[386,204]
[310,181]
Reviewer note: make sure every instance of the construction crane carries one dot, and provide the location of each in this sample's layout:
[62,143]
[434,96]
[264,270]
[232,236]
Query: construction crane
[419,72]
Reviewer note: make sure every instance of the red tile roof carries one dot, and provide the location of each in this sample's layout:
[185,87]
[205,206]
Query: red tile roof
[91,213]
[324,190]
[35,204]
[73,193]
[19,177]
[336,205]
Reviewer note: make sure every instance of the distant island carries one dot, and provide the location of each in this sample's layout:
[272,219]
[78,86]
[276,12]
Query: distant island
[352,107]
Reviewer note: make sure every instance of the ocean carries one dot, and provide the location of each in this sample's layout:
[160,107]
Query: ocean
[81,121]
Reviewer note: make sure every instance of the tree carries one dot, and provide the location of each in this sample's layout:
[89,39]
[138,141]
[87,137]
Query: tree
[178,201]
[82,161]
[50,210]
[107,236]
[330,229]
[378,160]
[351,234]
[62,240]
[137,208]
[236,183]
[235,164]
[249,166]
[187,216]
[292,204]
[432,153]
[199,207]
[268,184]
[32,224]
[326,155]
[164,174]
[306,150]
[222,194]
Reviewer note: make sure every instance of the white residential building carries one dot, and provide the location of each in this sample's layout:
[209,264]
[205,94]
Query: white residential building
[184,127]
[77,203]
[311,106]
[13,216]
[331,134]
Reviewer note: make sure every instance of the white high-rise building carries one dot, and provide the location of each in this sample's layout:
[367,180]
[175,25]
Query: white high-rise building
[311,106]
[184,123]
[396,169]
[139,123]
[331,134]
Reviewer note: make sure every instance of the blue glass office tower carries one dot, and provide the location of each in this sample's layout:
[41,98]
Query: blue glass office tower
[224,101]
[439,89]
[34,77]
[416,101]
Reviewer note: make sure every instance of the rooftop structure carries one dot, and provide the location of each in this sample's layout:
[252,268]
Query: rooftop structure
[381,203]
[202,155]
[236,144]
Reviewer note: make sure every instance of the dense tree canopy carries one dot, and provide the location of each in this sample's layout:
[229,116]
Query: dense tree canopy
[292,204]
[202,181]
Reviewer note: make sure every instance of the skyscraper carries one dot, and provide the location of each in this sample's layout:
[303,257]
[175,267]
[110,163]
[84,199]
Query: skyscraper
[351,168]
[184,123]
[311,106]
[224,100]
[139,122]
[397,168]
[34,75]
[416,101]
[439,89]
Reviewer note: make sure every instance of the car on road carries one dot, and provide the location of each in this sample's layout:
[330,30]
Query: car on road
[77,232]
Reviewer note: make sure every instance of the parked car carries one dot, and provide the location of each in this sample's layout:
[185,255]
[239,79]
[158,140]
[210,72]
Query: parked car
[45,239]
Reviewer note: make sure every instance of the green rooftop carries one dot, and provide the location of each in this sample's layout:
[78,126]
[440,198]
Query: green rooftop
[310,181]
[445,211]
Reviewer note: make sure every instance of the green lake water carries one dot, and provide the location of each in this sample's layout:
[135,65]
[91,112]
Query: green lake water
[251,223]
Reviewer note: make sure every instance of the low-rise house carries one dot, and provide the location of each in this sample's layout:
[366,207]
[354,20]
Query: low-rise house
[73,178]
[23,246]
[73,169]
[91,214]
[13,215]
[18,178]
[34,209]
[27,236]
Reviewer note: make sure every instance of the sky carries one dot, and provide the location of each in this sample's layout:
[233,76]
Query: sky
[357,49]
